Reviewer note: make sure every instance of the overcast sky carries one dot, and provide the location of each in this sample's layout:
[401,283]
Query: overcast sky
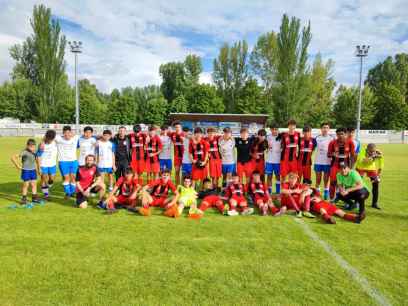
[125,41]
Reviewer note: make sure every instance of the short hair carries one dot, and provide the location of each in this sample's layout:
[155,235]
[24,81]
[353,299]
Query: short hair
[30,142]
[137,128]
[256,172]
[293,174]
[235,173]
[164,127]
[198,130]
[262,132]
[152,128]
[186,129]
[307,128]
[210,130]
[243,130]
[177,122]
[88,128]
[227,130]
[90,155]
[122,127]
[128,171]
[165,171]
[66,128]
[324,123]
[350,129]
[107,132]
[292,122]
[341,130]
[206,180]
[50,135]
[187,177]
[273,125]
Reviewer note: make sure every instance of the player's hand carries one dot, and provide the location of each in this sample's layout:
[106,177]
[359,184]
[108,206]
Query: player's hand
[87,192]
[344,192]
[151,154]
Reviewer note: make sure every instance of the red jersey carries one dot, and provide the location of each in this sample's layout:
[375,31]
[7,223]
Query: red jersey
[290,145]
[177,139]
[296,186]
[258,189]
[306,147]
[153,146]
[161,188]
[199,150]
[235,189]
[86,176]
[126,188]
[341,152]
[214,150]
[258,149]
[137,145]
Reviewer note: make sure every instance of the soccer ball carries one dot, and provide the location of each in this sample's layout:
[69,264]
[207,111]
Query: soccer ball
[83,205]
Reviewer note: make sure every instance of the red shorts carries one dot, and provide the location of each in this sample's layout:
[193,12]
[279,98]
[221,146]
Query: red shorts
[258,165]
[152,167]
[288,166]
[333,173]
[211,200]
[257,198]
[286,202]
[215,167]
[328,207]
[198,174]
[305,171]
[241,201]
[123,200]
[158,201]
[178,161]
[138,166]
[370,173]
[245,168]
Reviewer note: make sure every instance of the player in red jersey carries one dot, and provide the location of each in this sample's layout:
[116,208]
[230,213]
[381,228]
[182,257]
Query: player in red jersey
[258,191]
[152,150]
[295,196]
[327,210]
[258,147]
[235,192]
[290,147]
[124,194]
[198,150]
[210,197]
[307,145]
[341,150]
[156,193]
[177,137]
[214,156]
[137,141]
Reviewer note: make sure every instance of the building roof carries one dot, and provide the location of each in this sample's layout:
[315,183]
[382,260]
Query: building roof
[244,118]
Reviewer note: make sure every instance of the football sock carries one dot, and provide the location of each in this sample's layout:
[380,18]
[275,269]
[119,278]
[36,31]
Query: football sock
[67,188]
[273,209]
[277,186]
[306,204]
[350,217]
[72,188]
[375,193]
[326,193]
[326,217]
[44,189]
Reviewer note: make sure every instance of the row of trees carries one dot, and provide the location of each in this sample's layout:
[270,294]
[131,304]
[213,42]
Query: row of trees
[276,78]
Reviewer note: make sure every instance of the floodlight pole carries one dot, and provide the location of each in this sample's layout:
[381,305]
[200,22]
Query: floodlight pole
[76,49]
[361,52]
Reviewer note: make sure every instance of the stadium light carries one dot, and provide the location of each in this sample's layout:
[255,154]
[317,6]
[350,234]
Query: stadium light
[361,52]
[76,48]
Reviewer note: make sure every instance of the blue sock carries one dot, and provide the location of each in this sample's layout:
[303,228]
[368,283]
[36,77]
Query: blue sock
[277,186]
[72,188]
[326,193]
[67,188]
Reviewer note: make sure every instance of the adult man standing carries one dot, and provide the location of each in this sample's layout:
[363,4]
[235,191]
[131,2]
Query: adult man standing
[122,152]
[177,137]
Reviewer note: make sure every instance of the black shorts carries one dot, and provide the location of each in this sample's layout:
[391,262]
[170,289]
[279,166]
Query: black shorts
[80,198]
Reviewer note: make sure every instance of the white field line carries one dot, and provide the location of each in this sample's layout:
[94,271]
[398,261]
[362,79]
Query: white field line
[361,280]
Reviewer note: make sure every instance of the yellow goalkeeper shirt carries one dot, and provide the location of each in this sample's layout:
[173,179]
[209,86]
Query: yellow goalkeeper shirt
[364,162]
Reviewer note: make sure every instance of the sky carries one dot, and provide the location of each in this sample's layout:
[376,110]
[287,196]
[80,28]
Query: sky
[125,41]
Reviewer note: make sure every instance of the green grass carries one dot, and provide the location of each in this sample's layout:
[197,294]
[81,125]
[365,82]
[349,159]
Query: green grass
[58,255]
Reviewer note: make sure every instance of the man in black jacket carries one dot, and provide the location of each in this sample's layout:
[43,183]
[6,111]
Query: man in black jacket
[122,152]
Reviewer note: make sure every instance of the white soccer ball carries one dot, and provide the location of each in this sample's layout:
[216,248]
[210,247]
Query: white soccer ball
[83,205]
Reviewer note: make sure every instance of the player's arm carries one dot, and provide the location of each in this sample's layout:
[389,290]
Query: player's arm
[113,156]
[353,157]
[330,149]
[15,160]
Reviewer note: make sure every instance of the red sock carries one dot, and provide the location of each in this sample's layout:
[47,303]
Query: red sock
[332,190]
[306,204]
[294,204]
[326,217]
[111,204]
[350,217]
[273,209]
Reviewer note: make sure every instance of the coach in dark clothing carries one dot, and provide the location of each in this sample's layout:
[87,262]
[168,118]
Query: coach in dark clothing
[122,152]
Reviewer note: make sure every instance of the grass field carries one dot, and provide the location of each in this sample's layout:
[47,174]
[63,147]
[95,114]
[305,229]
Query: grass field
[59,255]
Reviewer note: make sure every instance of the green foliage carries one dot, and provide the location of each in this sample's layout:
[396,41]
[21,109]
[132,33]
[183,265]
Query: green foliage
[203,98]
[251,99]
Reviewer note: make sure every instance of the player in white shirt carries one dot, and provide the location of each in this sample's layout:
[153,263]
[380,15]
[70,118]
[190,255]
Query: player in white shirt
[67,156]
[322,162]
[186,163]
[165,154]
[47,159]
[273,157]
[86,145]
[106,157]
[227,150]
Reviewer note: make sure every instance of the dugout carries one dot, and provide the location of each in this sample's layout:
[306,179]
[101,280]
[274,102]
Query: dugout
[253,122]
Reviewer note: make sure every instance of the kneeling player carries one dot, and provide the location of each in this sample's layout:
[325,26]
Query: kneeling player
[295,196]
[186,197]
[124,193]
[210,197]
[89,180]
[260,195]
[235,193]
[327,210]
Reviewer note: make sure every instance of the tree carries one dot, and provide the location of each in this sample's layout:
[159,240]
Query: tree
[179,105]
[192,69]
[251,99]
[173,80]
[231,72]
[203,98]
[91,108]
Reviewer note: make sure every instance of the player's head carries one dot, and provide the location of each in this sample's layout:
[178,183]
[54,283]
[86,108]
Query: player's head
[211,132]
[187,181]
[244,133]
[371,149]
[177,126]
[165,175]
[207,183]
[227,132]
[66,131]
[49,136]
[351,132]
[152,130]
[89,160]
[186,130]
[344,168]
[88,131]
[122,131]
[30,145]
[274,129]
[164,128]
[128,174]
[292,125]
[261,134]
[106,135]
[325,128]
[137,128]
[307,131]
[198,133]
[292,178]
[235,178]
[256,176]
[341,134]
[315,196]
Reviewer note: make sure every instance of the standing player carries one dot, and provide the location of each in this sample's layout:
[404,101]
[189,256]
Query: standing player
[86,145]
[260,195]
[165,154]
[290,147]
[122,152]
[153,148]
[137,144]
[227,146]
[186,163]
[177,137]
[258,147]
[106,157]
[235,192]
[215,164]
[272,166]
[351,134]
[198,150]
[306,147]
[244,162]
[67,157]
[322,161]
[47,158]
[341,150]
